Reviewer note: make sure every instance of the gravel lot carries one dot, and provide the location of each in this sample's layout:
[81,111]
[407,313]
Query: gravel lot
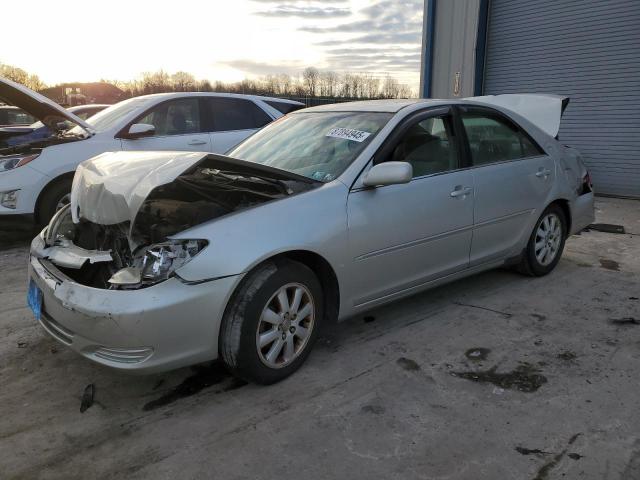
[497,376]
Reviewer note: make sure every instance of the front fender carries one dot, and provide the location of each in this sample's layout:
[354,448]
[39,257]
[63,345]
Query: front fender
[29,181]
[315,221]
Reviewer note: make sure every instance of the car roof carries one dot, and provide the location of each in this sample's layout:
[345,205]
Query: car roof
[76,108]
[391,105]
[156,96]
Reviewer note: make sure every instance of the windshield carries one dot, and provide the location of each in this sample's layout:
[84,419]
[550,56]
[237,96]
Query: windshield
[108,117]
[80,111]
[317,145]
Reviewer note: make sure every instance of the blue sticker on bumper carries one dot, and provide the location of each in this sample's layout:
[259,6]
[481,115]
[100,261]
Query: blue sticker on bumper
[34,299]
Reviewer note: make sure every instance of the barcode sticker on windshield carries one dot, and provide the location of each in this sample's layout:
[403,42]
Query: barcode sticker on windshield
[348,134]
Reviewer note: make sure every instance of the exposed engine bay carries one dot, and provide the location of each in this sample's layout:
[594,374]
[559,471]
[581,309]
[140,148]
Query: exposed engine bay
[139,253]
[35,146]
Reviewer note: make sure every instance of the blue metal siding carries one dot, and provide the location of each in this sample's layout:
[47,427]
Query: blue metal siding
[481,46]
[428,25]
[588,50]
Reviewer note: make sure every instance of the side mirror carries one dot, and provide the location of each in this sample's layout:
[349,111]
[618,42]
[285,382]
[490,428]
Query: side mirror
[388,173]
[139,130]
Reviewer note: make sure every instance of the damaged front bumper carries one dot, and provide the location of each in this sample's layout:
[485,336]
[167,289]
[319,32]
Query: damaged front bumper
[162,327]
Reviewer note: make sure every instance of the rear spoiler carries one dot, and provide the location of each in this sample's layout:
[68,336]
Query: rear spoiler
[544,111]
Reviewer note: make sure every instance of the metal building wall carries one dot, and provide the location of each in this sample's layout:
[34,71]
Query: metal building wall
[588,50]
[455,31]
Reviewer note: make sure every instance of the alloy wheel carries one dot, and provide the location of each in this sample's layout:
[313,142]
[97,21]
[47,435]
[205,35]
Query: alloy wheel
[285,325]
[548,238]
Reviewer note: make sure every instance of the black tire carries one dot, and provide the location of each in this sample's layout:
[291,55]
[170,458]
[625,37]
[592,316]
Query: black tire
[530,265]
[238,342]
[50,198]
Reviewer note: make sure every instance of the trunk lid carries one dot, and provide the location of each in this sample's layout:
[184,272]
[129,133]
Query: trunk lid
[544,111]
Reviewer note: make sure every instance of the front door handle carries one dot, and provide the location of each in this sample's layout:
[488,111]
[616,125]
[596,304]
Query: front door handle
[460,191]
[543,173]
[197,142]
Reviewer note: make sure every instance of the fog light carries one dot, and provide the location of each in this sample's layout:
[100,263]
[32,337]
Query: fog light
[9,199]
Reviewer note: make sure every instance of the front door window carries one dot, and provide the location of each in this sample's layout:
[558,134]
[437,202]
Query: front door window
[429,147]
[175,117]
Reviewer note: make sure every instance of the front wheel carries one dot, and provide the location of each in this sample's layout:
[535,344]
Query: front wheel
[271,322]
[546,243]
[53,199]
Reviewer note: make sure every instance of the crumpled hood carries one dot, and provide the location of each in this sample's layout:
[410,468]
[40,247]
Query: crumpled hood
[110,188]
[544,111]
[39,106]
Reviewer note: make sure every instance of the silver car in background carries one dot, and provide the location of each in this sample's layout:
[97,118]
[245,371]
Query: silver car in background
[165,259]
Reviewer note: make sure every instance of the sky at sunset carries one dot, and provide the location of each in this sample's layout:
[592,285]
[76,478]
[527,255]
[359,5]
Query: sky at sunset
[215,40]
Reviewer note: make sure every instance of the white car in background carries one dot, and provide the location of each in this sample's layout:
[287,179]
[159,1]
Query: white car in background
[35,177]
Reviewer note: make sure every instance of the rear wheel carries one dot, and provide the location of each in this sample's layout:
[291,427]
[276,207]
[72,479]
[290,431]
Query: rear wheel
[53,199]
[271,322]
[546,243]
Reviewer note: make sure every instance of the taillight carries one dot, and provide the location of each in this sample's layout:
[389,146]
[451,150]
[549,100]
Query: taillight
[586,186]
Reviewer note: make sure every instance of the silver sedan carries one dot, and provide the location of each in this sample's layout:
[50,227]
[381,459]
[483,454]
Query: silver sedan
[165,259]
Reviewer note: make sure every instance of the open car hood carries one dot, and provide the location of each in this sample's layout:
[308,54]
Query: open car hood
[39,106]
[544,111]
[111,188]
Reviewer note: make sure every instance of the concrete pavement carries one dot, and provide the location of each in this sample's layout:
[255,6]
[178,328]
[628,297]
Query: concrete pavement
[498,376]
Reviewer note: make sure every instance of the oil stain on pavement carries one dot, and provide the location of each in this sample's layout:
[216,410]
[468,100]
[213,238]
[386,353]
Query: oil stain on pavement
[567,355]
[610,264]
[408,364]
[625,321]
[204,377]
[524,378]
[531,451]
[477,354]
[545,470]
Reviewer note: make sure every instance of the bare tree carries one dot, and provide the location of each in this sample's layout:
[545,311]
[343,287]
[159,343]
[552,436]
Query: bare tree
[345,86]
[404,91]
[19,75]
[204,86]
[155,82]
[328,83]
[355,85]
[371,86]
[390,88]
[312,82]
[310,77]
[183,82]
[285,84]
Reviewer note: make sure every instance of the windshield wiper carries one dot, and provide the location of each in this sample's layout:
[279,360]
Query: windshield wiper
[231,176]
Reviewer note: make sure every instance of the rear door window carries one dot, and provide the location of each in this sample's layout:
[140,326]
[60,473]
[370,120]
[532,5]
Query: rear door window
[284,107]
[494,138]
[228,114]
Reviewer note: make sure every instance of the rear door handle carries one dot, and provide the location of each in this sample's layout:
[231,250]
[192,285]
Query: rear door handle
[460,191]
[543,172]
[197,142]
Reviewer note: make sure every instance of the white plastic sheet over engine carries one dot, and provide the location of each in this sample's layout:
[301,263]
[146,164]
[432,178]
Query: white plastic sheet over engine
[111,187]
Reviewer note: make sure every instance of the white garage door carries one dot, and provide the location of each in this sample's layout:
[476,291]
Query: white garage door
[588,50]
